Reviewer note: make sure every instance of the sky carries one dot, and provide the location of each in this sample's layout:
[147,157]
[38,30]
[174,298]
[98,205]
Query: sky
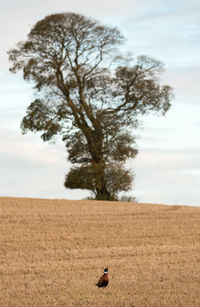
[167,168]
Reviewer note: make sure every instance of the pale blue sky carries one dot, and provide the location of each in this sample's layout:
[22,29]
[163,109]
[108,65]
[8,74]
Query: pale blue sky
[167,168]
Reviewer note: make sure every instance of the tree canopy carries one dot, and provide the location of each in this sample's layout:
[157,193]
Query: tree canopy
[90,94]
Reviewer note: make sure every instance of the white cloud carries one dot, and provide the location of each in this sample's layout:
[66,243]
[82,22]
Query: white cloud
[168,176]
[32,168]
[29,148]
[185,81]
[168,30]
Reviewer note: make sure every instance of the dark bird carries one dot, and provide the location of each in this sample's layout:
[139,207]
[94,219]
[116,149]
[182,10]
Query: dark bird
[103,280]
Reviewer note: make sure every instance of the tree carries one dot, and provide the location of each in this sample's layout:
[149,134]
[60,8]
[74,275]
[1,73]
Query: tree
[90,94]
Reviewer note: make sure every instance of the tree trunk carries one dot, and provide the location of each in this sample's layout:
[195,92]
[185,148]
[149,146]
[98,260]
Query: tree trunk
[102,192]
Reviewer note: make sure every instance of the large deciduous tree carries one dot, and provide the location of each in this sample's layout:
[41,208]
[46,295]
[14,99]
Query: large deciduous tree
[90,94]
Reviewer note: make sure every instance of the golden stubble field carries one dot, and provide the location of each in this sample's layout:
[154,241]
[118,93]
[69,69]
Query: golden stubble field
[52,253]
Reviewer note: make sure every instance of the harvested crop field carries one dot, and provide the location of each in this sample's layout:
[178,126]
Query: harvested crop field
[52,253]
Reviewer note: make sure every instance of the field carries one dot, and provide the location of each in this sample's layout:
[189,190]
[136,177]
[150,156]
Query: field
[52,253]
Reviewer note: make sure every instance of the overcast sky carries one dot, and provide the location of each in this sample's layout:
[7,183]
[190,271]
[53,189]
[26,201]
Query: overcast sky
[167,168]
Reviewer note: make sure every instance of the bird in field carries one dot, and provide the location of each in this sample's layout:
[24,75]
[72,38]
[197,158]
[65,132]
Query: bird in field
[103,280]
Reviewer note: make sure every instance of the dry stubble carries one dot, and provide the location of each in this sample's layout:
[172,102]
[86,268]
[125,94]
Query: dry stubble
[53,252]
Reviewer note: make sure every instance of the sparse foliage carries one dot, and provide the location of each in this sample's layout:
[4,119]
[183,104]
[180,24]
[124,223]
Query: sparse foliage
[86,92]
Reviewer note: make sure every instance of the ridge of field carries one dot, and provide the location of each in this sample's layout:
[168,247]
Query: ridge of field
[52,253]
